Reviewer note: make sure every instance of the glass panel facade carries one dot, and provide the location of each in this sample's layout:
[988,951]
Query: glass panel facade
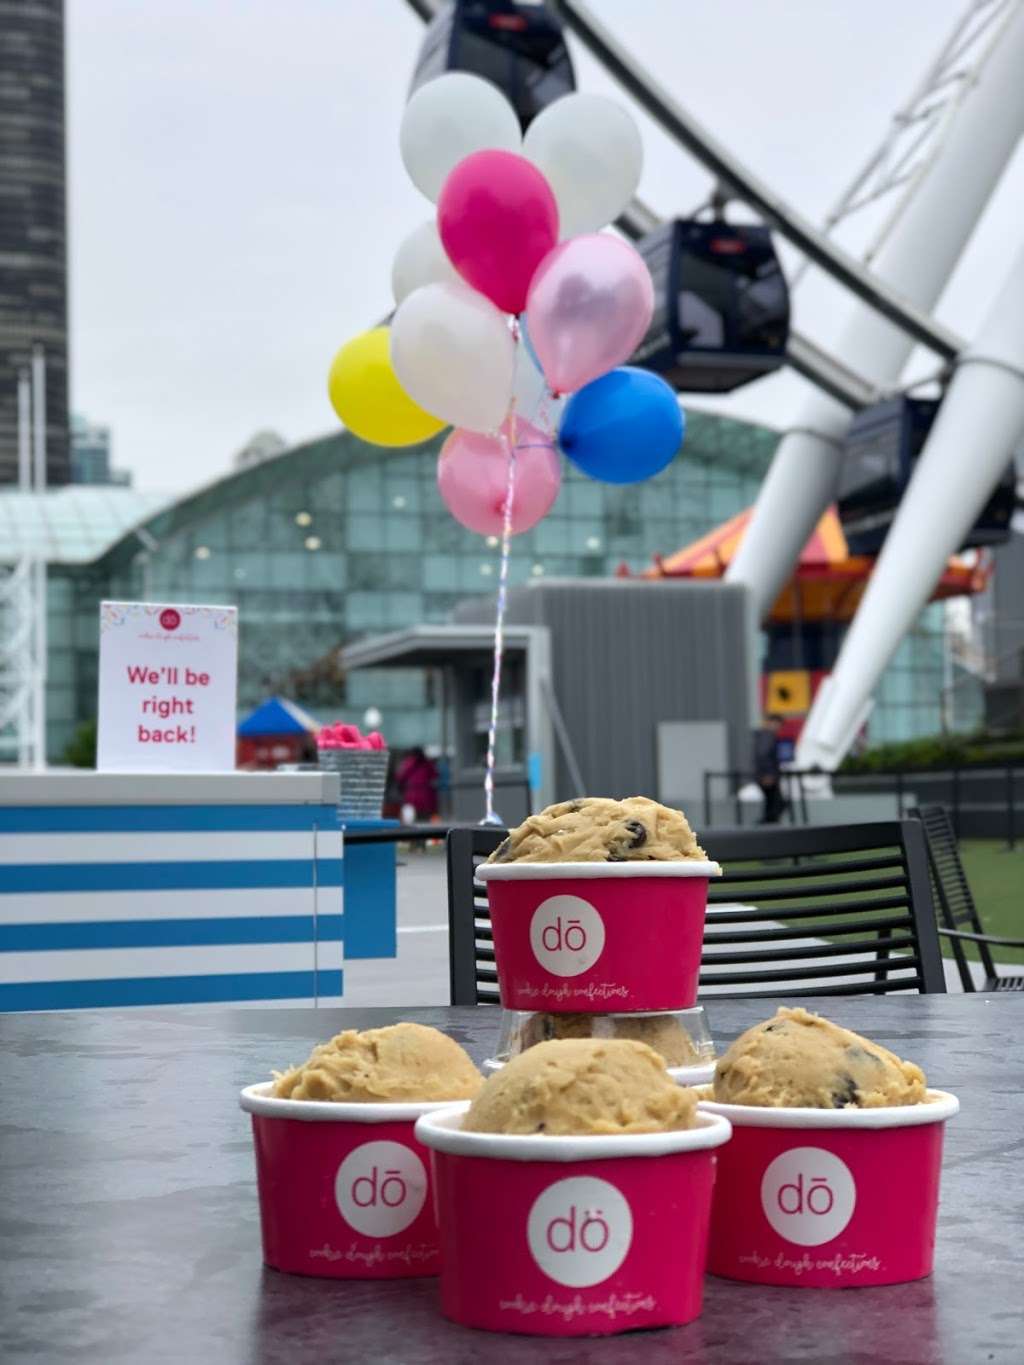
[336,540]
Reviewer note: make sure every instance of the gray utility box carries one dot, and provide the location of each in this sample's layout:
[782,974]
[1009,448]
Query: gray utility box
[648,682]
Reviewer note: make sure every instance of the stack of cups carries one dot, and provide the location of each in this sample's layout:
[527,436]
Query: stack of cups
[602,950]
[601,1233]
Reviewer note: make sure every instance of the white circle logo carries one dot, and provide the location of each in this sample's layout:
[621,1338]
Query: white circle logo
[808,1195]
[380,1188]
[579,1230]
[566,935]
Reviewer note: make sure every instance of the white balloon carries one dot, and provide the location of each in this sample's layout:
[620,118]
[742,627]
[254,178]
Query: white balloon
[447,120]
[420,260]
[590,150]
[453,354]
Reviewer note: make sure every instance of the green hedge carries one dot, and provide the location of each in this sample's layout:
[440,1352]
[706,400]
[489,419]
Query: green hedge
[939,751]
[81,751]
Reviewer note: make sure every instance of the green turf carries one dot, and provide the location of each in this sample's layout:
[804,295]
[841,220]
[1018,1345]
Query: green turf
[996,880]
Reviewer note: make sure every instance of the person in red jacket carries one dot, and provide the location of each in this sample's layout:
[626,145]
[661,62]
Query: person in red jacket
[417,781]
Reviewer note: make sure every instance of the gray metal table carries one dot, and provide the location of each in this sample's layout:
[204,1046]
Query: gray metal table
[129,1229]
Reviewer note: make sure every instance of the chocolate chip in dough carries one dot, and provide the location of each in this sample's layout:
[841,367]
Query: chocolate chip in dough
[847,1093]
[639,833]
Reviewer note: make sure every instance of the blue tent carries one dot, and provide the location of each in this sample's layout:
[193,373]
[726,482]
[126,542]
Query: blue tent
[276,716]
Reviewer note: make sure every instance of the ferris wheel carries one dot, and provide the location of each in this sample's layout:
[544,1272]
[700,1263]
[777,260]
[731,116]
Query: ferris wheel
[726,315]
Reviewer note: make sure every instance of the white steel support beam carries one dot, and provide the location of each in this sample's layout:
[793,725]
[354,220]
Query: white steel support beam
[918,256]
[877,291]
[979,425]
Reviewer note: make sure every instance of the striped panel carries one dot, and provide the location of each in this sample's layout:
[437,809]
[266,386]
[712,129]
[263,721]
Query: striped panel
[322,987]
[167,819]
[113,906]
[175,876]
[167,933]
[96,907]
[210,845]
[73,964]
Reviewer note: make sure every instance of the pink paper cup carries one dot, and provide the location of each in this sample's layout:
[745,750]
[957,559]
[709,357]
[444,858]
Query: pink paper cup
[829,1198]
[344,1189]
[572,1236]
[577,936]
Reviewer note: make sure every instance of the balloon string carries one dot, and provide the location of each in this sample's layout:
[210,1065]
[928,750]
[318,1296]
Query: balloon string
[490,818]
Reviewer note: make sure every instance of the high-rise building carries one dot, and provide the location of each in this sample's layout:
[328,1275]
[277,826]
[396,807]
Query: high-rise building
[90,455]
[33,239]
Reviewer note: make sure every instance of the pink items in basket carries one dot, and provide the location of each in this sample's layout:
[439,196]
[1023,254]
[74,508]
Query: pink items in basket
[341,736]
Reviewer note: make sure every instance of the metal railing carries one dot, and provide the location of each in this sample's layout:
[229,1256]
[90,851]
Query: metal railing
[791,782]
[403,834]
[998,798]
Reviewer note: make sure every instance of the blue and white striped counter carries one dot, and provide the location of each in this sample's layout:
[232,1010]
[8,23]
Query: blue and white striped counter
[124,889]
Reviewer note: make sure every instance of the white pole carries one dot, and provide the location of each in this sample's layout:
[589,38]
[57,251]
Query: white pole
[39,416]
[40,644]
[24,431]
[979,425]
[918,257]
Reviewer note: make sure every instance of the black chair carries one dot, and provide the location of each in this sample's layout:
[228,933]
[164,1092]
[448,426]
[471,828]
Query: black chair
[471,970]
[845,907]
[826,910]
[959,918]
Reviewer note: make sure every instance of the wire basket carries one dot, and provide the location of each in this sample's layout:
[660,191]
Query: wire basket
[363,774]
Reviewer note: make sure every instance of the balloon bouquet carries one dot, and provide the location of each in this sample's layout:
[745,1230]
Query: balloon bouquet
[509,300]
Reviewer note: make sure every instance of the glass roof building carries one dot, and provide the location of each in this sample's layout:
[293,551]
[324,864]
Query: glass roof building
[333,540]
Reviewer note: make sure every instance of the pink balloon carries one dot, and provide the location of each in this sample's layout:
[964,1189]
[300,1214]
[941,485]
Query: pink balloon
[498,219]
[589,305]
[472,474]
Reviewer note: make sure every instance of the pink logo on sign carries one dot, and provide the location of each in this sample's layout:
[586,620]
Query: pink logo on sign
[170,619]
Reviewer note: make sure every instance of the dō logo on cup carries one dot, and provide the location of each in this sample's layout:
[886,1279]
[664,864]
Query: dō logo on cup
[579,1230]
[170,619]
[380,1188]
[808,1195]
[566,935]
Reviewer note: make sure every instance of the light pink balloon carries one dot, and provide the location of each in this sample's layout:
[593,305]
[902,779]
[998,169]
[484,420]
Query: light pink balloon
[472,475]
[589,305]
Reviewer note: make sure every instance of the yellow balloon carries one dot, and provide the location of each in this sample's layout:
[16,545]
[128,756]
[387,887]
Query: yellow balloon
[365,393]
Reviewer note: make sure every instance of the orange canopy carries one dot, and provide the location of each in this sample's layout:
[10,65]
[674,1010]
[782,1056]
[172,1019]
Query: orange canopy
[828,583]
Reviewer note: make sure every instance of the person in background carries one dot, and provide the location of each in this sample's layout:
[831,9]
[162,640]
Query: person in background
[392,808]
[416,779]
[768,769]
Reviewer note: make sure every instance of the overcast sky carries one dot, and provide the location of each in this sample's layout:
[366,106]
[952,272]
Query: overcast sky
[236,193]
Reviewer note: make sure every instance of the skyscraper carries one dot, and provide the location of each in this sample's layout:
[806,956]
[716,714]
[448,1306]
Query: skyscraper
[33,239]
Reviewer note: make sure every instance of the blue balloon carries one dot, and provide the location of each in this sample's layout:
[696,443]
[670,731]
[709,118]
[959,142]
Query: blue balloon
[624,427]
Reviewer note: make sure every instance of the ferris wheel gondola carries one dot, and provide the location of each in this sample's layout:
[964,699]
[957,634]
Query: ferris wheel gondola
[721,314]
[519,47]
[880,453]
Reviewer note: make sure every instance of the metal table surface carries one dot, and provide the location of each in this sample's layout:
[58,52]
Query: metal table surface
[129,1228]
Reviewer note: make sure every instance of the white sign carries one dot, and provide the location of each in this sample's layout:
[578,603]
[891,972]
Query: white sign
[168,681]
